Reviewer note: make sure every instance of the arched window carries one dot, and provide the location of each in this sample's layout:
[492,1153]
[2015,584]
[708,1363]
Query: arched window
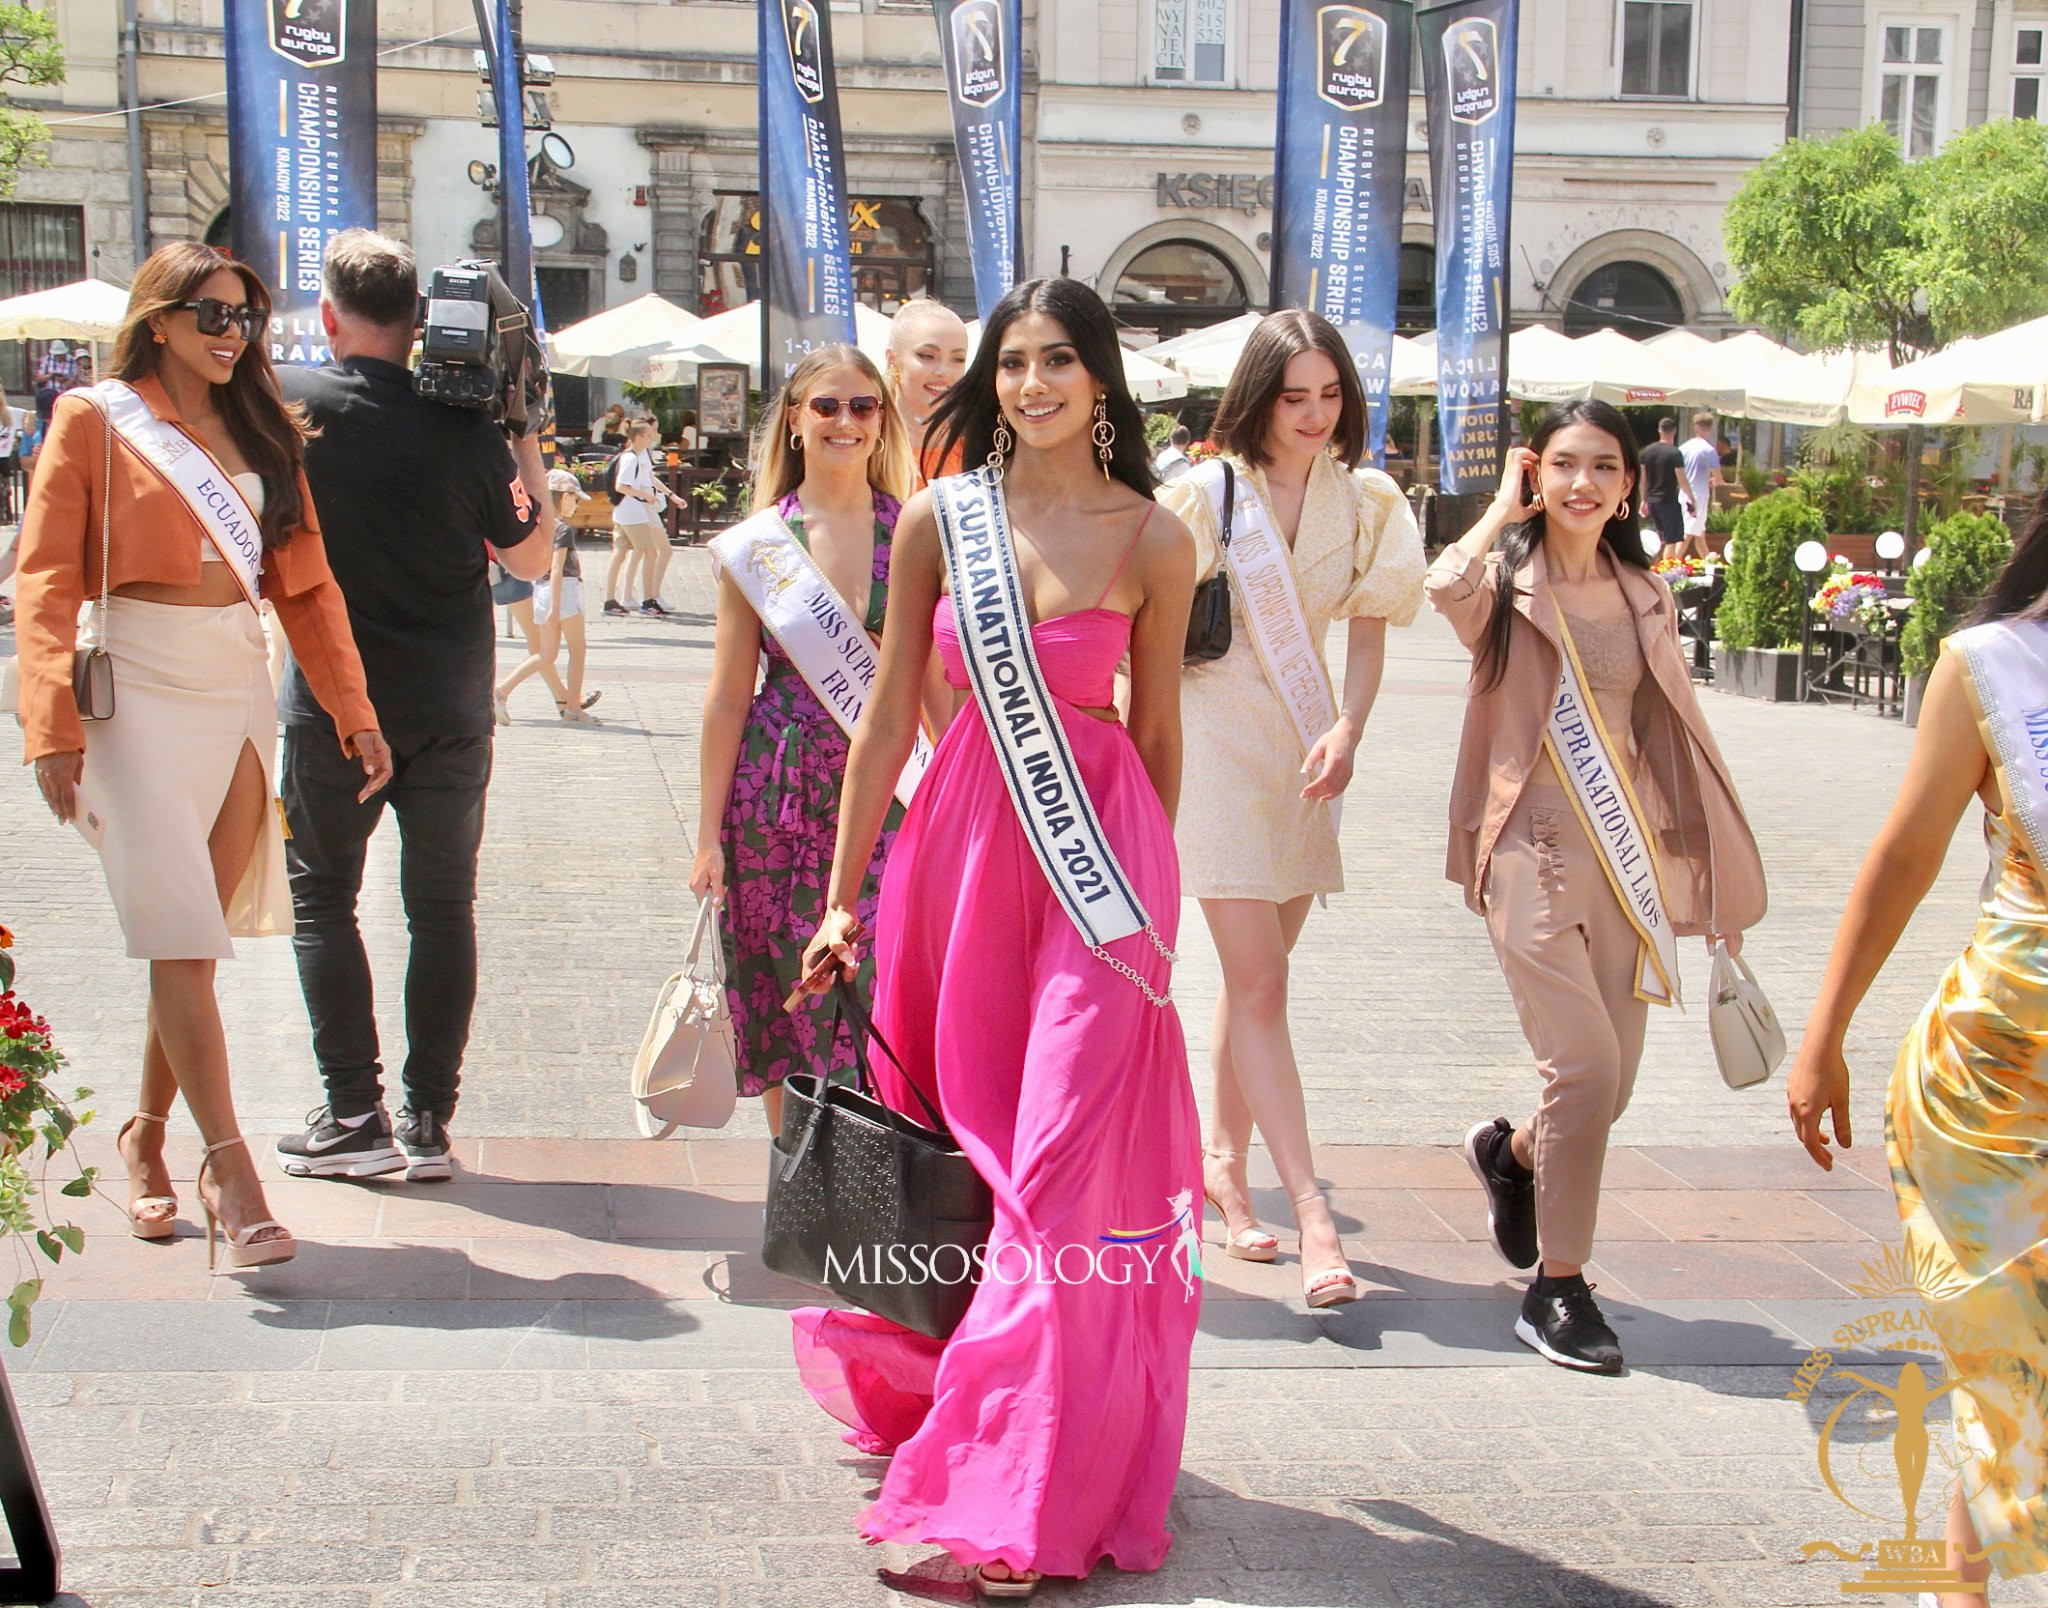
[1176,286]
[1632,297]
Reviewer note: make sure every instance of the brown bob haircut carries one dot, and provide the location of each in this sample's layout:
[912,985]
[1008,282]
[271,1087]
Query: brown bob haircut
[1255,385]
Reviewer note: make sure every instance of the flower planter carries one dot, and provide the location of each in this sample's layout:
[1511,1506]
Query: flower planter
[1768,673]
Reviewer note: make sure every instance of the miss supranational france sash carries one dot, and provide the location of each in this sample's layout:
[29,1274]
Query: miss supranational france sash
[195,475]
[823,637]
[2007,677]
[1263,571]
[1607,806]
[1030,744]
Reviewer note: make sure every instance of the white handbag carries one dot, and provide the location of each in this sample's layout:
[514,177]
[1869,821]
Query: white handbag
[685,1074]
[1748,1040]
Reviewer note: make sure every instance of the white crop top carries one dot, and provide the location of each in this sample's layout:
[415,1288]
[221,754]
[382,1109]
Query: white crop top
[250,485]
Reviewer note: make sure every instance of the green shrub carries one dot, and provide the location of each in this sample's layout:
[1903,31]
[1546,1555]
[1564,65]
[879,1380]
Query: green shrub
[1764,604]
[1721,519]
[1965,552]
[1158,426]
[1839,493]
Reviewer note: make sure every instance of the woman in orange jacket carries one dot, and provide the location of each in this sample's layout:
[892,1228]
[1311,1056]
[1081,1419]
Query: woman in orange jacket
[171,500]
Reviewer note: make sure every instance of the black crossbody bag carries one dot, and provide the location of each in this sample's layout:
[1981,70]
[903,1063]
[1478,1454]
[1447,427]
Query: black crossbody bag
[1209,619]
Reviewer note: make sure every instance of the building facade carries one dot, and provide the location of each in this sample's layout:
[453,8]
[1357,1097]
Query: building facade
[1924,68]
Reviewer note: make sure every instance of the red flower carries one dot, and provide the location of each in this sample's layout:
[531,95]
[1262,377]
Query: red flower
[11,1081]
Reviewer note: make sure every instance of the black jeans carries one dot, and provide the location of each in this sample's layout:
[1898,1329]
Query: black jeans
[437,793]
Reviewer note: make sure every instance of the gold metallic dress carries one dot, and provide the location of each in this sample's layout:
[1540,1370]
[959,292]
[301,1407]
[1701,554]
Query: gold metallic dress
[1966,1132]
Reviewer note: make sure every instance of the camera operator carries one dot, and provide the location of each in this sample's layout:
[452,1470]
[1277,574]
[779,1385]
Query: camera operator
[408,492]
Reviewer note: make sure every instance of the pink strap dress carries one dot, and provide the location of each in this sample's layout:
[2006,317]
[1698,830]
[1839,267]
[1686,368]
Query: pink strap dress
[1046,1433]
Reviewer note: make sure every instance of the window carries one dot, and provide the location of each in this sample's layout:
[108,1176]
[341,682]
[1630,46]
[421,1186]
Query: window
[1910,89]
[2028,69]
[40,247]
[1177,286]
[1415,303]
[1188,38]
[1632,297]
[888,240]
[1656,47]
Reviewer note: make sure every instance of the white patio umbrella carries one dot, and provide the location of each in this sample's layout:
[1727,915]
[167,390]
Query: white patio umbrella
[1993,379]
[618,342]
[734,336]
[1731,366]
[1605,366]
[1209,356]
[88,310]
[1814,389]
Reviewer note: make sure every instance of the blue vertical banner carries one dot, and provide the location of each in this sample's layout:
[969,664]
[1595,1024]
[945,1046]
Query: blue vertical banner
[979,41]
[302,149]
[809,300]
[1468,73]
[515,202]
[1341,177]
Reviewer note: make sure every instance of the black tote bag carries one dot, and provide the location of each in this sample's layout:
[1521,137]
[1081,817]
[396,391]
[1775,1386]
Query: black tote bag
[871,1205]
[1209,615]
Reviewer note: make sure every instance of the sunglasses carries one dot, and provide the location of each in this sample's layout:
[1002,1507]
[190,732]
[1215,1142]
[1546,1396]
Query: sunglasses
[861,407]
[217,317]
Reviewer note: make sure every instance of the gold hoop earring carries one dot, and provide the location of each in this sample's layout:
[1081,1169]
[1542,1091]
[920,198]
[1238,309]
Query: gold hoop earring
[1622,511]
[1000,445]
[1103,434]
[1536,502]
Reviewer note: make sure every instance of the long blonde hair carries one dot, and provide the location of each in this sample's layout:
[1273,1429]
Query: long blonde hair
[779,469]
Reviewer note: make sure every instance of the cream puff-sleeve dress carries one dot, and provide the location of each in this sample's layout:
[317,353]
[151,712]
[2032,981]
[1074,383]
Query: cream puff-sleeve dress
[1244,830]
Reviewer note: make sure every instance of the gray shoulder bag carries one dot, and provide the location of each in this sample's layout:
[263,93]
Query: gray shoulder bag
[92,668]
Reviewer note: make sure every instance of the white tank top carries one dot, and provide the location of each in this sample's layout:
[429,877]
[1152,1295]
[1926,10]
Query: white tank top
[250,484]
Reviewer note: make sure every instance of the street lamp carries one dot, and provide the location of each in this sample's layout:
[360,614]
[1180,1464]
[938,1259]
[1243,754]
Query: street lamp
[1810,558]
[1891,546]
[1653,541]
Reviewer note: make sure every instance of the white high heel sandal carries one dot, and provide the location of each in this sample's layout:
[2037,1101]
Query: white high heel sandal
[244,1249]
[1251,1244]
[156,1227]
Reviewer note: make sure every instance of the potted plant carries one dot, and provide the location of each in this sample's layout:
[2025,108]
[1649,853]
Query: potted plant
[1965,552]
[1761,615]
[36,1125]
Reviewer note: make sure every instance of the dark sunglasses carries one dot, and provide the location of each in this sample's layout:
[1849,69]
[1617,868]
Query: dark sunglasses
[217,317]
[861,407]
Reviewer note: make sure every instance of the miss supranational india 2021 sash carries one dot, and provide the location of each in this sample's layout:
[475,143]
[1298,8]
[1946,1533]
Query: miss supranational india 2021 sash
[2007,679]
[195,475]
[823,637]
[1606,804]
[1031,749]
[1262,569]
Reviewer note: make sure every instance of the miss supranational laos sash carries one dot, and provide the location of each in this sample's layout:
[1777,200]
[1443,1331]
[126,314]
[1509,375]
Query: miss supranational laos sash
[1263,570]
[1607,807]
[195,475]
[804,612]
[2006,673]
[1030,743]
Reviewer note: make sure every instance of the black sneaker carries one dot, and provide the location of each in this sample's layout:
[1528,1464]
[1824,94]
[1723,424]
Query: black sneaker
[653,610]
[613,606]
[1561,1320]
[424,1138]
[1510,1191]
[331,1149]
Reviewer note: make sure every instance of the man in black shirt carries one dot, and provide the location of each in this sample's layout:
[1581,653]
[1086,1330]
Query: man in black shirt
[407,493]
[1663,472]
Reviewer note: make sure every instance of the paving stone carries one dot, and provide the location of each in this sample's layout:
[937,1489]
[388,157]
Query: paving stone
[470,1522]
[473,1563]
[273,1567]
[372,1486]
[299,1524]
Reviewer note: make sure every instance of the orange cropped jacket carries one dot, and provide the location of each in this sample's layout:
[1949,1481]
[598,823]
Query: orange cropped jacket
[153,537]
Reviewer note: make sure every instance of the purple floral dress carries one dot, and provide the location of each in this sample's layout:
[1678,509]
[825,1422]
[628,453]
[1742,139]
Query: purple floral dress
[780,820]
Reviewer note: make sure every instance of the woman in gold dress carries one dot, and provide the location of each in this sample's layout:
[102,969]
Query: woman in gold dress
[1966,1115]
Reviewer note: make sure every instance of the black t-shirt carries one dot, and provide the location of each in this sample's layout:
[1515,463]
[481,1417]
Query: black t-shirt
[1663,463]
[565,542]
[407,492]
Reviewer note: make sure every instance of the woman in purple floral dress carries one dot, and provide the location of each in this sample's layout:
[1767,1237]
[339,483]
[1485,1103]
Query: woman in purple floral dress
[834,462]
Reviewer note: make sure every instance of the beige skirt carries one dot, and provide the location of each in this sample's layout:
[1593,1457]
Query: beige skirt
[191,686]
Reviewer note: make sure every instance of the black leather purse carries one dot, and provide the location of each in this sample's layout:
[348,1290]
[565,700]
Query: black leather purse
[871,1205]
[1209,619]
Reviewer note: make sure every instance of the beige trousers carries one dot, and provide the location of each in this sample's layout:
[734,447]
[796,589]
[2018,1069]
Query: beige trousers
[1569,955]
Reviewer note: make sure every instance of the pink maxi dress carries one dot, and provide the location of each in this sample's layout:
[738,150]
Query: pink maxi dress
[1046,1433]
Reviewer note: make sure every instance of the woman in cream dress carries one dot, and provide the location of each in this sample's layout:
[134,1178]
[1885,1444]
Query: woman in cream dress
[1257,832]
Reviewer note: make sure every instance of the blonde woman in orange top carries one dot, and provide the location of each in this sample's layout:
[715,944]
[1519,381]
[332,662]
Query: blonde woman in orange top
[176,489]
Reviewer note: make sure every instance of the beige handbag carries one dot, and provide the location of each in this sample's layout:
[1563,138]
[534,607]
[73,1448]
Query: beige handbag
[1748,1040]
[685,1074]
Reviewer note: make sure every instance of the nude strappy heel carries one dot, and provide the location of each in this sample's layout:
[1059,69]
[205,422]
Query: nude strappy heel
[164,1223]
[1011,1586]
[244,1249]
[1252,1244]
[1333,1286]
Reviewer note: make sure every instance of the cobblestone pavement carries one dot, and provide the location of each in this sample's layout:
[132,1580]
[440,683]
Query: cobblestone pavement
[562,1381]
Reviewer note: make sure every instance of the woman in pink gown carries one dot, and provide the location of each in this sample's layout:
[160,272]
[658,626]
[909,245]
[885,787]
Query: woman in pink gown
[1045,1435]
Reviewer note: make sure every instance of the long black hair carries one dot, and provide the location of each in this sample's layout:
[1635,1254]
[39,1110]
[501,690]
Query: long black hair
[1621,535]
[967,414]
[2021,590]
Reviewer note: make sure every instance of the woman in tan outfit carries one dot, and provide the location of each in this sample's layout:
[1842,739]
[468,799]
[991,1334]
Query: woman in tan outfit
[1556,560]
[1257,830]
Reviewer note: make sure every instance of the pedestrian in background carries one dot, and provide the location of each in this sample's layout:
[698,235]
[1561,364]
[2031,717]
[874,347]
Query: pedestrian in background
[1578,680]
[556,609]
[1173,460]
[1268,747]
[174,789]
[926,357]
[1663,473]
[414,570]
[1702,475]
[834,458]
[640,545]
[1966,1111]
[611,429]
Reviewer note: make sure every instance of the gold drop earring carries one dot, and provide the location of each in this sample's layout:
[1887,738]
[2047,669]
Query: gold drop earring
[1000,444]
[1103,434]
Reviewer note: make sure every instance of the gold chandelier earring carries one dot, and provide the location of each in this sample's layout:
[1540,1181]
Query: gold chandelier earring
[1103,434]
[1000,445]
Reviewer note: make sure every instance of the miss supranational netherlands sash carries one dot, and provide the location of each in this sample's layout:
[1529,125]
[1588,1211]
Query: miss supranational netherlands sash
[1030,743]
[195,475]
[1607,807]
[2006,665]
[823,637]
[1262,570]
